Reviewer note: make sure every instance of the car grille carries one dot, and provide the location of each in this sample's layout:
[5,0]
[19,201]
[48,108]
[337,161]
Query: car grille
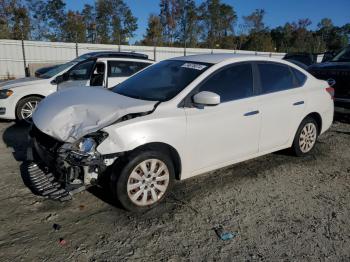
[46,146]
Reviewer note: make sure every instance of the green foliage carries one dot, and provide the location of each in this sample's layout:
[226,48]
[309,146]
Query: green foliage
[154,31]
[211,24]
[217,21]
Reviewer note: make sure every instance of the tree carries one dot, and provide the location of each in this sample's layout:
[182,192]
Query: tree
[89,18]
[188,28]
[259,38]
[20,23]
[169,18]
[217,21]
[103,11]
[38,18]
[5,16]
[123,22]
[73,28]
[114,21]
[55,10]
[154,30]
[254,21]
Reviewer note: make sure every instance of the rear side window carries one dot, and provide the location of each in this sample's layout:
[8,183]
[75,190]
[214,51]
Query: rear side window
[235,82]
[124,68]
[275,77]
[299,76]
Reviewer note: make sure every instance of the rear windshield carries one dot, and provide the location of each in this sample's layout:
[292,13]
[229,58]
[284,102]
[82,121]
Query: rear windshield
[162,81]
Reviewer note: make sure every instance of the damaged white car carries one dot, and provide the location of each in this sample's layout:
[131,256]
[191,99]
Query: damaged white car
[174,120]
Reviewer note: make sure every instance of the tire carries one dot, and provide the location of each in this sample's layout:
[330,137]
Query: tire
[25,109]
[306,137]
[132,189]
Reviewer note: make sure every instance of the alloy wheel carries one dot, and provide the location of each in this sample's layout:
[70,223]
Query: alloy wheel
[148,182]
[28,109]
[307,138]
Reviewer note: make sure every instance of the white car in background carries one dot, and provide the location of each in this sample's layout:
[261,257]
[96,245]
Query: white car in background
[176,119]
[19,98]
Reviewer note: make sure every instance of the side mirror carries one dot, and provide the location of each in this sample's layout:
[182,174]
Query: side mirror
[57,80]
[206,98]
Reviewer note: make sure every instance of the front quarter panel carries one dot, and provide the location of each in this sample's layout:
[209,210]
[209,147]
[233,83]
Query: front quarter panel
[163,126]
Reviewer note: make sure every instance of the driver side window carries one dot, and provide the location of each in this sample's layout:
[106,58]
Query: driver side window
[232,83]
[81,71]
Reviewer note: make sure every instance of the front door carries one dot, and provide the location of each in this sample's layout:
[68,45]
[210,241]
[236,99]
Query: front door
[78,75]
[229,131]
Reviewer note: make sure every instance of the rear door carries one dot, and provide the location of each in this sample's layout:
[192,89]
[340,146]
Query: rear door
[281,103]
[119,70]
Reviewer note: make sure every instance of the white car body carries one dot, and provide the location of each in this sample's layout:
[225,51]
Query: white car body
[204,138]
[38,87]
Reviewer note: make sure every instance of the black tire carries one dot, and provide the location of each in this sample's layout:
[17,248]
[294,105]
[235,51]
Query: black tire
[123,169]
[296,147]
[20,106]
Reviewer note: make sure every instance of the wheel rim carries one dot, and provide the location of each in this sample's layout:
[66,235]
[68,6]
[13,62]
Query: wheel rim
[307,137]
[28,109]
[148,182]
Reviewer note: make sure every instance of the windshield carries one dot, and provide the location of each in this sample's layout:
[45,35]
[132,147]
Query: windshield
[83,57]
[162,81]
[57,70]
[343,56]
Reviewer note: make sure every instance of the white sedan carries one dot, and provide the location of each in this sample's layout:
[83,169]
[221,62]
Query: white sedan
[176,119]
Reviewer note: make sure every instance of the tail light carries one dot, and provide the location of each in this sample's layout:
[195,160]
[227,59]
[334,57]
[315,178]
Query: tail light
[330,91]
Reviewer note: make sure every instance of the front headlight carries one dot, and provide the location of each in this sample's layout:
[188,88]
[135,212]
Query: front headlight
[87,145]
[5,93]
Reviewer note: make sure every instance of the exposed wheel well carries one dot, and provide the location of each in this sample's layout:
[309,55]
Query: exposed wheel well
[318,119]
[168,149]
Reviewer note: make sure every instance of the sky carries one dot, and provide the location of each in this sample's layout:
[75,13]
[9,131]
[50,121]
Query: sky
[278,12]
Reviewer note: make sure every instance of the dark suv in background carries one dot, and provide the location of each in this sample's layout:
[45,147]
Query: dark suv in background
[337,73]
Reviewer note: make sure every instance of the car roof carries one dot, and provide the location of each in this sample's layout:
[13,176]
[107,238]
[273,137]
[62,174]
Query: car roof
[116,54]
[221,57]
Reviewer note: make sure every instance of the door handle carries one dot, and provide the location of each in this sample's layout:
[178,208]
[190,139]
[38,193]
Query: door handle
[252,113]
[298,103]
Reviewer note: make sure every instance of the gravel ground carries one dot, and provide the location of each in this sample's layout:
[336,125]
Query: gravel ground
[281,207]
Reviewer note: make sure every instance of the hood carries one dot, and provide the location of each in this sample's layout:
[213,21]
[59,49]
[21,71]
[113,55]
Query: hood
[20,82]
[331,66]
[70,114]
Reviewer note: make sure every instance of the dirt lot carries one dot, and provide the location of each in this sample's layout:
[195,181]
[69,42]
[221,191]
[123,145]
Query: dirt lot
[282,207]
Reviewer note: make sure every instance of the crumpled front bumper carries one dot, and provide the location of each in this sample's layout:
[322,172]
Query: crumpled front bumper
[42,181]
[57,172]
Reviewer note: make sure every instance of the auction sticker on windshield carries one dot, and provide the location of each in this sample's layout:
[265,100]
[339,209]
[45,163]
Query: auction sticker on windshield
[194,66]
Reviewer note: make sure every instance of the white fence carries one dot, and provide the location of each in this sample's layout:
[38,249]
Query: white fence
[15,55]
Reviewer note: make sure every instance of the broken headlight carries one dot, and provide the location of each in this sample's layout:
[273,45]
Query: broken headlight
[88,143]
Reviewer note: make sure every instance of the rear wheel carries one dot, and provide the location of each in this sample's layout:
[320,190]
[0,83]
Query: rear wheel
[306,136]
[144,180]
[25,109]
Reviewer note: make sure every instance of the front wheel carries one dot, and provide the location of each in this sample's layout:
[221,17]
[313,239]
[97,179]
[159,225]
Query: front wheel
[25,109]
[144,180]
[306,136]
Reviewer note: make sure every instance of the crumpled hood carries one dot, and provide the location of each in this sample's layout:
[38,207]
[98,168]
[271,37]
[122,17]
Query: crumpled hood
[69,114]
[20,82]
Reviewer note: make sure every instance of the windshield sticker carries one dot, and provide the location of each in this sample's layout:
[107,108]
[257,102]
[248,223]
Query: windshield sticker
[194,66]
